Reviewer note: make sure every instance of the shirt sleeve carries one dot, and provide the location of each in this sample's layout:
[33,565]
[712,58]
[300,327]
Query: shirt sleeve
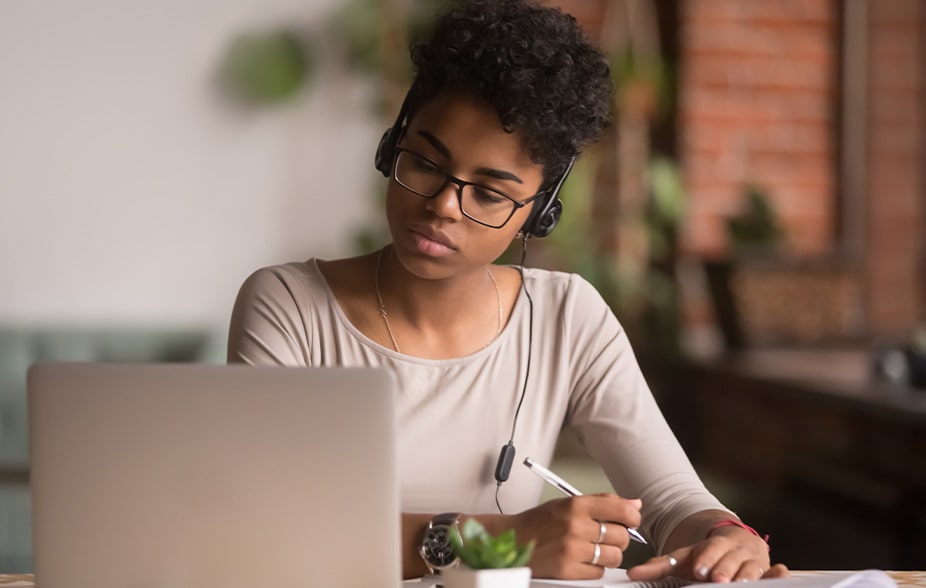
[619,423]
[267,327]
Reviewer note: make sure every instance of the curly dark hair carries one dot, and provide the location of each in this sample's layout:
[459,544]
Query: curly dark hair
[532,63]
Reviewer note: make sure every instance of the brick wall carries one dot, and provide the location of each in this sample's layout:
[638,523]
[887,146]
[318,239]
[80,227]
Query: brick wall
[757,91]
[896,219]
[759,99]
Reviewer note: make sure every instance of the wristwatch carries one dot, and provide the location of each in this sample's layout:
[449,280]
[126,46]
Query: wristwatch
[436,550]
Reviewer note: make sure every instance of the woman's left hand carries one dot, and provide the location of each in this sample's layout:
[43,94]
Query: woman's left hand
[728,554]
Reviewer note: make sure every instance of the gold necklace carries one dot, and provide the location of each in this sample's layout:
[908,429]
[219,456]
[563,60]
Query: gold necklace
[385,315]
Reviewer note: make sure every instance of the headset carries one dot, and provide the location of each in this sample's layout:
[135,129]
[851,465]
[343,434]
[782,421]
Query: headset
[385,151]
[539,224]
[543,217]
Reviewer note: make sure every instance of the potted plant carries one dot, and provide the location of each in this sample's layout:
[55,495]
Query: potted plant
[487,561]
[755,236]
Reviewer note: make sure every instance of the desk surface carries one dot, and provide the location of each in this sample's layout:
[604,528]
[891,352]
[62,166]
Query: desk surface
[905,579]
[840,376]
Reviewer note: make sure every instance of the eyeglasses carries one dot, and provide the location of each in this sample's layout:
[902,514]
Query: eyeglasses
[486,206]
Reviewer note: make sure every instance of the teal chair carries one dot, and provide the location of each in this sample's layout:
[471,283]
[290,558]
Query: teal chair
[21,347]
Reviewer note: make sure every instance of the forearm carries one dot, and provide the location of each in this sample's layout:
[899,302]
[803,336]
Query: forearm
[413,526]
[574,538]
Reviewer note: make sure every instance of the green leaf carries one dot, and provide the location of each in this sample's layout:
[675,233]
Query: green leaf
[267,67]
[523,556]
[480,550]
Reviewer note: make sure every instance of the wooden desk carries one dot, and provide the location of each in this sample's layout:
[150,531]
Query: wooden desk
[903,579]
[790,422]
[812,428]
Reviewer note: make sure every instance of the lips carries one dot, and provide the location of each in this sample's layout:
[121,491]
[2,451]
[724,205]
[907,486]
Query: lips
[435,235]
[431,241]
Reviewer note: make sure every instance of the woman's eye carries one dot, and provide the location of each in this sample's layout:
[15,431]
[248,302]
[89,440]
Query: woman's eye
[425,166]
[488,196]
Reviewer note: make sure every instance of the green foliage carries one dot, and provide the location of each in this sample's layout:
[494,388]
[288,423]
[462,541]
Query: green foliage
[666,207]
[267,68]
[571,240]
[918,341]
[756,228]
[632,72]
[360,25]
[480,550]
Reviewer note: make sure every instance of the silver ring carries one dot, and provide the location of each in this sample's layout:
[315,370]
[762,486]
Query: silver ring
[672,561]
[597,554]
[601,532]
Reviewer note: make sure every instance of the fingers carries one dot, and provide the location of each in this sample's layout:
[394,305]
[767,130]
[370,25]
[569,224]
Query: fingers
[777,571]
[576,560]
[723,559]
[676,563]
[746,571]
[578,537]
[612,508]
[612,515]
[718,563]
[602,532]
[598,518]
[686,564]
[732,555]
[611,534]
[606,556]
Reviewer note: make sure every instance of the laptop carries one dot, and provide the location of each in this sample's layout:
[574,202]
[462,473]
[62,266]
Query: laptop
[208,476]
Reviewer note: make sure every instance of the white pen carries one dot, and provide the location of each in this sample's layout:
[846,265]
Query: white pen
[568,489]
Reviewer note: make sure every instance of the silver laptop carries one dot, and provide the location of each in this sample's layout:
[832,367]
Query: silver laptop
[208,476]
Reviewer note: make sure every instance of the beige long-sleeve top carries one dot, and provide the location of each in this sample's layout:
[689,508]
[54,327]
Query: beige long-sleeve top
[455,414]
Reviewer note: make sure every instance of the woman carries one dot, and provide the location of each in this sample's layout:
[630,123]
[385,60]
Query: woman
[506,95]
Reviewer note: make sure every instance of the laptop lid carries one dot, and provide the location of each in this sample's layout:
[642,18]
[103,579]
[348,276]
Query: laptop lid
[183,476]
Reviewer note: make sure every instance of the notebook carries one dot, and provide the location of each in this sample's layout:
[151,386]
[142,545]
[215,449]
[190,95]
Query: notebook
[617,578]
[212,476]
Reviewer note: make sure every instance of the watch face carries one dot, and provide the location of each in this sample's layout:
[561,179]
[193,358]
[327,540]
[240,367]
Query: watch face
[436,547]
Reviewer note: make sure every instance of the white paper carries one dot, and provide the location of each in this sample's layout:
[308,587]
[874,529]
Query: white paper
[617,578]
[612,577]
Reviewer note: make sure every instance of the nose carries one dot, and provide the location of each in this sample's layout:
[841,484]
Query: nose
[446,203]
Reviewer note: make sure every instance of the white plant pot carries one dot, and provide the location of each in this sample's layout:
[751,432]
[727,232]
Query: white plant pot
[464,577]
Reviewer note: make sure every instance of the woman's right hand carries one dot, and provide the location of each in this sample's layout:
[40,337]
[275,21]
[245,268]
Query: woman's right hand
[566,532]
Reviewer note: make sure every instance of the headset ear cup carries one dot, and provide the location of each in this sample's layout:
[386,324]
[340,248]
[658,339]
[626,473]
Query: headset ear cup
[548,220]
[542,220]
[527,229]
[384,153]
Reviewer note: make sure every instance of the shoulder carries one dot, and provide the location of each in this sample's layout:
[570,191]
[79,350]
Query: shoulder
[268,325]
[573,306]
[285,272]
[287,281]
[559,287]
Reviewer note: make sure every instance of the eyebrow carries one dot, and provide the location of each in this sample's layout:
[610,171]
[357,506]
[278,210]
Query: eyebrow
[482,171]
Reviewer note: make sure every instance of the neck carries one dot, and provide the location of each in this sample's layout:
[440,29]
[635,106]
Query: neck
[463,312]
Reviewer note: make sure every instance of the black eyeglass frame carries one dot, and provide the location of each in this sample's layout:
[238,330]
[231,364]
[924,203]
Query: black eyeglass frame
[460,184]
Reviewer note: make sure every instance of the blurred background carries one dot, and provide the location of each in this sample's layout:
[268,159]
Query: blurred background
[756,216]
